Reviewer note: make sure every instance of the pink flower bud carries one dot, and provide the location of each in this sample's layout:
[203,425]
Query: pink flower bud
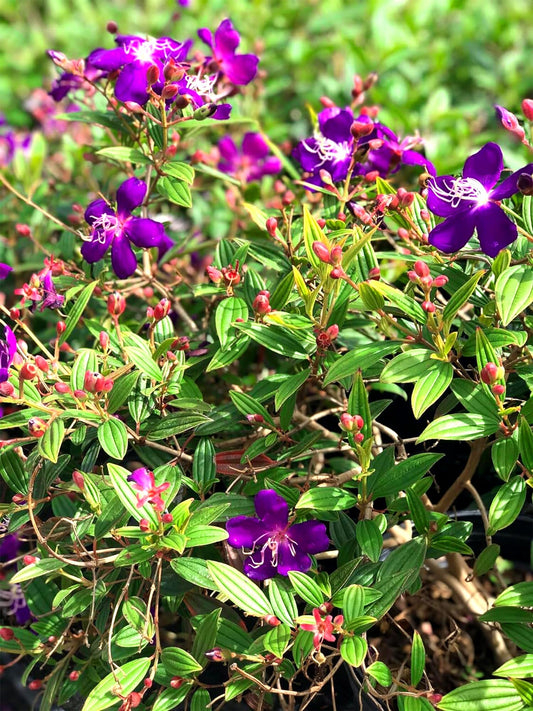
[440,280]
[332,332]
[321,251]
[359,437]
[321,223]
[413,276]
[215,654]
[272,620]
[167,518]
[62,388]
[421,268]
[116,304]
[78,479]
[6,634]
[490,373]
[428,306]
[375,273]
[261,305]
[351,423]
[498,389]
[360,129]
[30,559]
[214,274]
[61,327]
[509,121]
[335,256]
[35,685]
[90,381]
[161,309]
[74,675]
[527,108]
[104,340]
[403,233]
[80,394]
[6,389]
[337,273]
[144,524]
[255,418]
[178,681]
[28,371]
[42,364]
[271,226]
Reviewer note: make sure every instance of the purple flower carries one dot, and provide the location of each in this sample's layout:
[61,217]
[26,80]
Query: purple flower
[201,91]
[249,163]
[51,299]
[471,203]
[144,484]
[11,142]
[270,543]
[117,228]
[8,347]
[240,69]
[5,270]
[14,602]
[134,56]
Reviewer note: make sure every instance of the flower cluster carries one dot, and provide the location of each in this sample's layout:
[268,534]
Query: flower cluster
[251,162]
[270,543]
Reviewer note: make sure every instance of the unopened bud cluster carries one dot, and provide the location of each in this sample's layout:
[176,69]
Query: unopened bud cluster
[229,275]
[261,304]
[421,275]
[352,424]
[490,375]
[325,338]
[93,382]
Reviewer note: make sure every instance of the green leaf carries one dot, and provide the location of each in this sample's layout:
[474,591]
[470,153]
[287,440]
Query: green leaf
[279,340]
[180,170]
[142,358]
[247,405]
[312,232]
[504,453]
[13,473]
[360,358]
[139,617]
[353,650]
[206,635]
[306,588]
[358,404]
[239,589]
[518,668]
[461,426]
[518,594]
[507,504]
[113,438]
[418,659]
[290,386]
[514,292]
[404,302]
[177,191]
[282,601]
[277,640]
[486,559]
[203,464]
[234,350]
[326,499]
[389,481]
[369,538]
[195,571]
[204,535]
[418,511]
[525,441]
[430,386]
[124,154]
[170,699]
[122,389]
[353,601]
[174,424]
[49,444]
[486,695]
[380,672]
[461,296]
[127,495]
[127,677]
[77,310]
[178,662]
[407,367]
[507,613]
[200,700]
[35,570]
[228,311]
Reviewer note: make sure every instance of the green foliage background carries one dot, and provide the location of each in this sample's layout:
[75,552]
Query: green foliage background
[442,63]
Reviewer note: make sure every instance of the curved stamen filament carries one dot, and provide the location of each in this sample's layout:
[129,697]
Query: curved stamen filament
[273,542]
[455,190]
[328,150]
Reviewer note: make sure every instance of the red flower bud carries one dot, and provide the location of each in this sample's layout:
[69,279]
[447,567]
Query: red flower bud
[335,256]
[144,524]
[23,230]
[272,620]
[62,388]
[152,74]
[321,223]
[321,251]
[28,371]
[168,93]
[15,314]
[6,634]
[428,306]
[35,684]
[360,129]
[255,418]
[351,423]
[112,27]
[337,273]
[77,478]
[161,309]
[527,108]
[490,373]
[90,381]
[6,389]
[215,655]
[261,304]
[440,280]
[134,699]
[61,327]
[332,332]
[104,340]
[80,394]
[176,682]
[167,518]
[116,304]
[37,427]
[30,559]
[421,269]
[74,675]
[42,364]
[18,499]
[147,683]
[359,437]
[498,389]
[271,226]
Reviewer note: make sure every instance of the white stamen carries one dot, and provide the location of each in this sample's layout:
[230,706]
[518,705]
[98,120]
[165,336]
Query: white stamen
[101,226]
[328,150]
[273,543]
[454,190]
[202,85]
[144,51]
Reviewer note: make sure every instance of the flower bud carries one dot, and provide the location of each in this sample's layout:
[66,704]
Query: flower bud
[167,518]
[405,198]
[214,274]
[491,373]
[321,251]
[525,184]
[116,304]
[104,340]
[6,389]
[35,685]
[510,122]
[428,306]
[168,93]
[37,427]
[272,620]
[30,559]
[106,385]
[134,699]
[498,389]
[112,27]
[74,675]
[332,332]
[255,418]
[144,524]
[78,479]
[147,683]
[421,268]
[176,682]
[161,309]
[261,304]
[271,226]
[18,499]
[337,273]
[440,280]
[61,327]
[351,423]
[62,388]
[152,74]
[360,129]
[90,381]
[374,273]
[231,275]
[172,71]
[215,655]
[80,394]
[14,314]
[6,634]
[42,363]
[527,109]
[28,371]
[335,256]
[204,112]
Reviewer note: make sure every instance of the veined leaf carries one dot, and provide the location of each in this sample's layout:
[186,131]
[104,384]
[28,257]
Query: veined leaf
[514,292]
[239,589]
[128,677]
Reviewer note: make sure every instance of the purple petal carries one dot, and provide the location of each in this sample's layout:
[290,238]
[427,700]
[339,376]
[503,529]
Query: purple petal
[244,531]
[310,536]
[144,232]
[142,477]
[94,250]
[108,59]
[11,341]
[164,245]
[123,259]
[129,196]
[453,233]
[241,68]
[9,547]
[485,166]
[272,509]
[131,83]
[494,229]
[206,36]
[228,149]
[335,124]
[226,39]
[259,565]
[509,186]
[96,209]
[255,146]
[5,269]
[222,113]
[442,206]
[410,157]
[4,374]
[291,558]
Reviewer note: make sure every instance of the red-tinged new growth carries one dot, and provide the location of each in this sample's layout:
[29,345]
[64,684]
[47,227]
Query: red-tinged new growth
[323,627]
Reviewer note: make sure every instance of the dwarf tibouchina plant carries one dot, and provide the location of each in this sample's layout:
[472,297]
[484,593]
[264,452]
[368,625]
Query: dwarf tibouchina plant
[251,162]
[270,543]
[117,229]
[471,203]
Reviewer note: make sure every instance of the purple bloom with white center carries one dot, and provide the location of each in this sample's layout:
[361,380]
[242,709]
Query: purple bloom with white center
[272,545]
[200,89]
[8,347]
[251,162]
[117,228]
[134,56]
[240,69]
[471,203]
